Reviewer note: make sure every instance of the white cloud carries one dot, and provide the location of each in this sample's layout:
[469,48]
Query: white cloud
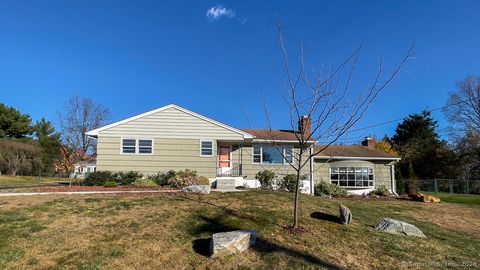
[216,12]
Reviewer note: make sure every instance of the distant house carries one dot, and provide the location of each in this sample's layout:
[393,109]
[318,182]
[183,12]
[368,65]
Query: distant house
[81,169]
[172,137]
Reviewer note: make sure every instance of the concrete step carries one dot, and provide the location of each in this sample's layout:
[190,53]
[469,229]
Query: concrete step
[225,183]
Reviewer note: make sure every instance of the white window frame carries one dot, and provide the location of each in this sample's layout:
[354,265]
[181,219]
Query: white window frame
[354,169]
[273,164]
[213,147]
[137,146]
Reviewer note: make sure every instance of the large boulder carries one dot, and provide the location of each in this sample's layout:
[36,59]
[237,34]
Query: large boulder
[204,189]
[226,243]
[398,227]
[345,215]
[421,197]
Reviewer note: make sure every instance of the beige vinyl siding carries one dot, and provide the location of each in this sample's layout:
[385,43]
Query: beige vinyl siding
[250,169]
[171,123]
[168,154]
[381,170]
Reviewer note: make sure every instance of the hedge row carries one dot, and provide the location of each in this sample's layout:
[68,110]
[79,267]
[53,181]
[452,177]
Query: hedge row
[171,178]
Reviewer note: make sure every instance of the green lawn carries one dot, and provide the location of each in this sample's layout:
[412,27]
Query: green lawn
[7,181]
[172,231]
[471,200]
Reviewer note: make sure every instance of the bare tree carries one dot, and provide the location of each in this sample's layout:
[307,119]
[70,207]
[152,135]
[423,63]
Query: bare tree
[18,156]
[323,107]
[463,106]
[80,116]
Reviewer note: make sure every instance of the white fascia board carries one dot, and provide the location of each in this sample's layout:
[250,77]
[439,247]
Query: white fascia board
[94,133]
[358,158]
[275,141]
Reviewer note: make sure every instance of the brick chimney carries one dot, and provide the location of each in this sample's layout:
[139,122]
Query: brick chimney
[305,125]
[369,142]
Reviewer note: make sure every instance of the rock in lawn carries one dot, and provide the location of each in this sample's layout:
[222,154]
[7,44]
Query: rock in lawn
[226,243]
[429,198]
[398,227]
[345,215]
[420,197]
[205,189]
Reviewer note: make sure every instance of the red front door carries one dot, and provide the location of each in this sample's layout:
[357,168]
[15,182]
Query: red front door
[224,157]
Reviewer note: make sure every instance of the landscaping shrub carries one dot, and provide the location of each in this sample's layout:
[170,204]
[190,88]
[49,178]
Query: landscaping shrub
[381,191]
[162,178]
[328,189]
[126,178]
[144,183]
[99,178]
[401,187]
[187,178]
[266,178]
[288,183]
[110,184]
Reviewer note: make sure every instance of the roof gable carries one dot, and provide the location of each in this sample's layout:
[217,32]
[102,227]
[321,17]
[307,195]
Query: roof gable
[95,132]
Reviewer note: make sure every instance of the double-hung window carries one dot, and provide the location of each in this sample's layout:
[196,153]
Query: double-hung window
[265,154]
[129,146]
[144,146]
[206,148]
[137,146]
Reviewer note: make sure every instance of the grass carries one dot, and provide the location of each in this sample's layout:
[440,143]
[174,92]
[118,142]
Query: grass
[471,200]
[172,232]
[7,181]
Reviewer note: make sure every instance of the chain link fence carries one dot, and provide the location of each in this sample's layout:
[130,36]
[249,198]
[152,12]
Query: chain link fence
[452,186]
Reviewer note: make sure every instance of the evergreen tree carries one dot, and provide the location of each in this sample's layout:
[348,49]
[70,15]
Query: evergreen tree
[417,142]
[49,141]
[412,179]
[14,124]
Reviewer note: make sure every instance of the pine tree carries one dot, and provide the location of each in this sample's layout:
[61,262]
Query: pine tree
[49,141]
[14,124]
[412,179]
[417,142]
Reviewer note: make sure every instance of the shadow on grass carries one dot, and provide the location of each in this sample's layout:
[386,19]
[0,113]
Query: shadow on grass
[202,246]
[325,216]
[262,245]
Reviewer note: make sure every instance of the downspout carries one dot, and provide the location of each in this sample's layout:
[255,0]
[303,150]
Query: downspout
[311,172]
[392,178]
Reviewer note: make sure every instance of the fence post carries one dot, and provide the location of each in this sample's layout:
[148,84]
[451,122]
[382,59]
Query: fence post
[450,184]
[467,189]
[435,186]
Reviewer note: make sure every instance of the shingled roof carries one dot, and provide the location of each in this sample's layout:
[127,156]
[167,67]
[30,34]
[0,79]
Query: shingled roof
[275,135]
[353,151]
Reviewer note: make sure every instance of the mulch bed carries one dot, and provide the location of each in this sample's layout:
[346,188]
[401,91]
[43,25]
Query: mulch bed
[95,188]
[374,198]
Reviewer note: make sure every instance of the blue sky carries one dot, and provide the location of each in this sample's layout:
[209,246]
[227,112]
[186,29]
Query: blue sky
[134,56]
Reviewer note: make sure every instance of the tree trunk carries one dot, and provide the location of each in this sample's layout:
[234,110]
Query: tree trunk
[295,205]
[297,191]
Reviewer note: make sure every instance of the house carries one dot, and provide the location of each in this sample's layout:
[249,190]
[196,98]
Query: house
[81,169]
[174,138]
[357,168]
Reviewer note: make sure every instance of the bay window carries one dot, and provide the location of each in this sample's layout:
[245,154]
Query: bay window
[352,176]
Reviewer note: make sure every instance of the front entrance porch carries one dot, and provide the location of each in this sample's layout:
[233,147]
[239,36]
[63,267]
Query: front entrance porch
[229,159]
